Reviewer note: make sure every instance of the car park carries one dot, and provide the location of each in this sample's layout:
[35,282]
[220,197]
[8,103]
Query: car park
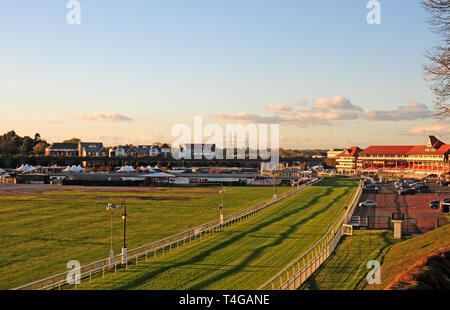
[368,203]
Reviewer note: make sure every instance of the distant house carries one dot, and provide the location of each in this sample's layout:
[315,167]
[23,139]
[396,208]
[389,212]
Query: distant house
[143,151]
[130,151]
[117,151]
[165,150]
[154,151]
[198,150]
[122,151]
[91,149]
[62,149]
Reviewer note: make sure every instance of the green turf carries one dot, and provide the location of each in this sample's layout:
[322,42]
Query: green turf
[346,268]
[41,232]
[244,255]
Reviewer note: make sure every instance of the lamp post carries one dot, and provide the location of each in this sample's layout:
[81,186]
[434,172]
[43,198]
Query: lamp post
[275,196]
[222,191]
[124,218]
[111,209]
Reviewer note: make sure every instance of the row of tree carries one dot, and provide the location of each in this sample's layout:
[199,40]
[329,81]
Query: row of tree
[13,144]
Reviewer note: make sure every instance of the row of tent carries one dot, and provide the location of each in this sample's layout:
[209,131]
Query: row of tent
[142,168]
[74,169]
[26,168]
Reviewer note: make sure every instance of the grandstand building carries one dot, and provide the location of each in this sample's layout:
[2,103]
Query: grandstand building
[347,160]
[432,158]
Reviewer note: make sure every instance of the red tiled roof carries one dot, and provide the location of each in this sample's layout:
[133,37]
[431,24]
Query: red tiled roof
[405,150]
[351,151]
[387,150]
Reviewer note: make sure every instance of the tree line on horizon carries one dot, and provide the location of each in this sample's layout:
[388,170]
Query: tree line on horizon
[13,144]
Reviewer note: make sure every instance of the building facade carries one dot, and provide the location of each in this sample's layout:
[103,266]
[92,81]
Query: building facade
[347,160]
[432,158]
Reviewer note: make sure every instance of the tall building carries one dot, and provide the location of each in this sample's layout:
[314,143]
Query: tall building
[347,160]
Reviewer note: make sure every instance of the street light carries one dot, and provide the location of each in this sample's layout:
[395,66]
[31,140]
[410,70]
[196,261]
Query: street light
[111,208]
[275,196]
[222,191]
[124,218]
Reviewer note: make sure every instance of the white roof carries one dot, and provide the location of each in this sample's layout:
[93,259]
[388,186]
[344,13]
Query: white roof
[26,168]
[2,171]
[158,175]
[127,169]
[74,169]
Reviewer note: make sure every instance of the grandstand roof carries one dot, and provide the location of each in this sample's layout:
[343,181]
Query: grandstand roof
[433,147]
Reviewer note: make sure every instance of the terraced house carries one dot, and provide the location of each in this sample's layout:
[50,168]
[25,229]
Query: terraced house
[92,149]
[62,149]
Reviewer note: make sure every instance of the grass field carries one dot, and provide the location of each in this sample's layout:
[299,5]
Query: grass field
[41,231]
[346,268]
[244,255]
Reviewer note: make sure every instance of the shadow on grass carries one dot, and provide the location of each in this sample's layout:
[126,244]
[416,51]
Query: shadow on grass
[255,253]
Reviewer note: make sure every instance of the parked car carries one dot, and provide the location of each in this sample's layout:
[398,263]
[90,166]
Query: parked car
[407,191]
[398,184]
[435,204]
[371,188]
[368,203]
[423,190]
[445,205]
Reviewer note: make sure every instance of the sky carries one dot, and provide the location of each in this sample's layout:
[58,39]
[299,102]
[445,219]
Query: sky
[131,70]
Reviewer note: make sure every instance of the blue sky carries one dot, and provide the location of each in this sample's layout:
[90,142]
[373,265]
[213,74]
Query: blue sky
[133,69]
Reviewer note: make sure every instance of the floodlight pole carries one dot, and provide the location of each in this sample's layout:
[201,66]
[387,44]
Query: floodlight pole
[124,218]
[275,196]
[222,191]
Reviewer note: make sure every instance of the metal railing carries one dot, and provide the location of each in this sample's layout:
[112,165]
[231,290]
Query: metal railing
[160,246]
[298,271]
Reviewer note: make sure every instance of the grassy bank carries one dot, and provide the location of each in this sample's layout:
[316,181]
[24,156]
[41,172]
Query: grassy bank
[346,268]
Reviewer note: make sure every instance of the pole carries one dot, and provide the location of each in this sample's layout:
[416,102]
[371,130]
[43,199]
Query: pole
[124,248]
[124,215]
[111,229]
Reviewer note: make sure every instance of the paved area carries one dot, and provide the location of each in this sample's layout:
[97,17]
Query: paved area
[415,206]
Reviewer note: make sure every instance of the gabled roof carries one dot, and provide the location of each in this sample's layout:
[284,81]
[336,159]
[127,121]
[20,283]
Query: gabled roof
[63,146]
[351,151]
[91,146]
[434,147]
[386,150]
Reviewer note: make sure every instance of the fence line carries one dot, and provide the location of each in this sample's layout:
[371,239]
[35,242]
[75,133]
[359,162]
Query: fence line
[160,246]
[297,272]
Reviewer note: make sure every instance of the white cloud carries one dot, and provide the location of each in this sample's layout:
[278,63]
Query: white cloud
[103,117]
[247,118]
[279,107]
[329,110]
[437,129]
[336,103]
[301,103]
[410,111]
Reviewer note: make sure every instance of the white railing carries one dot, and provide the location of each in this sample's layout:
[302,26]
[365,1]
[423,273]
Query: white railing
[297,272]
[160,246]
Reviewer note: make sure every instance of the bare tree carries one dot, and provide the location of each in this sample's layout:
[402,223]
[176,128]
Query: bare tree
[438,70]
